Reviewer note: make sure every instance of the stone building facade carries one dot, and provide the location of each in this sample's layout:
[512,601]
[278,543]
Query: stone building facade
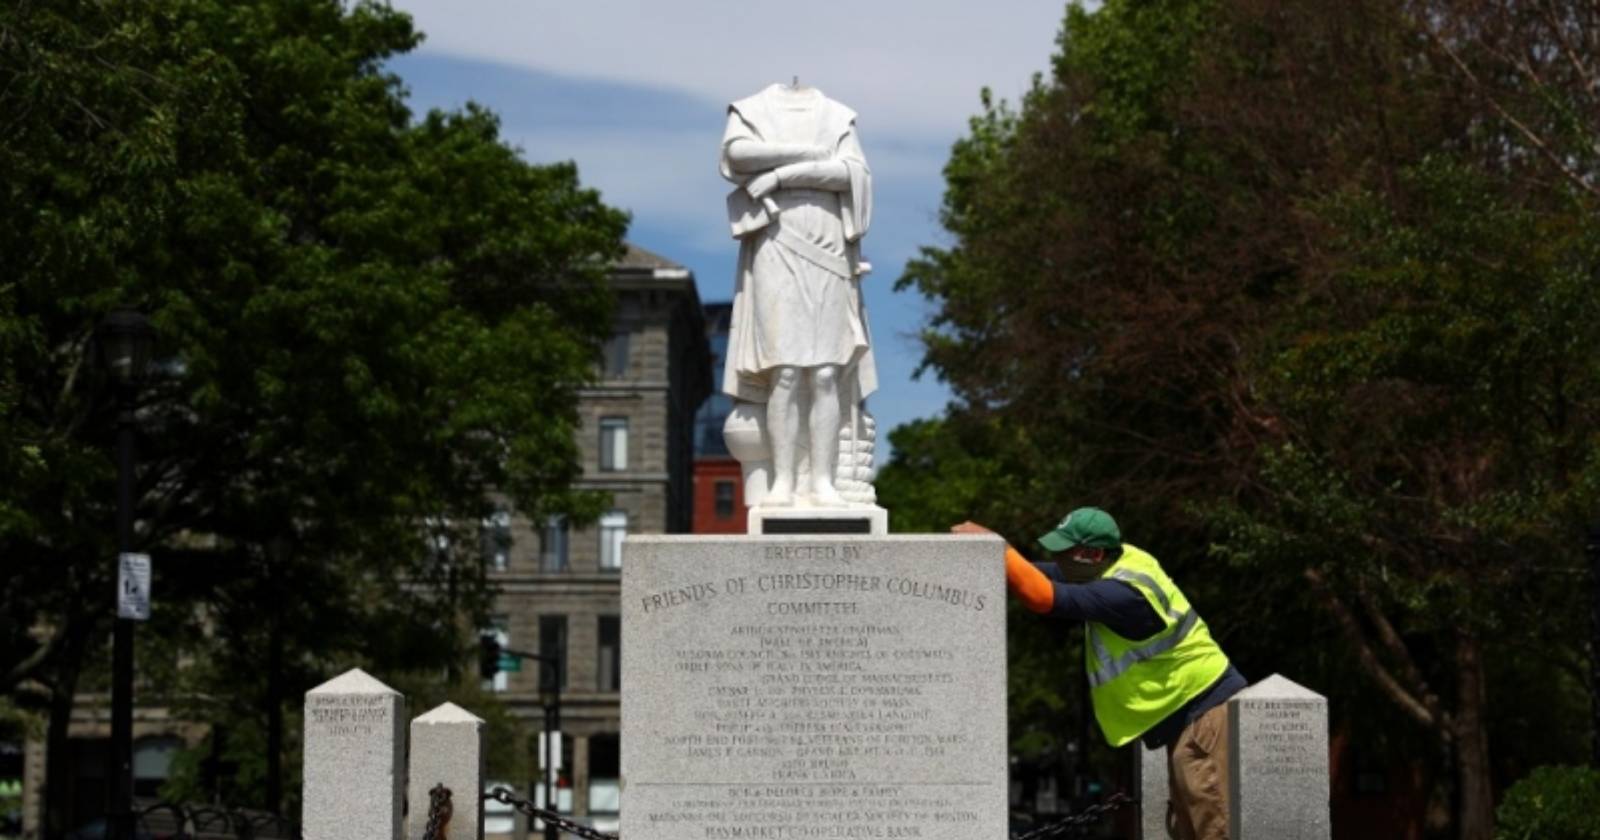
[560,586]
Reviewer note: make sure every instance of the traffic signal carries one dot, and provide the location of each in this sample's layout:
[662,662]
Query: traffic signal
[488,656]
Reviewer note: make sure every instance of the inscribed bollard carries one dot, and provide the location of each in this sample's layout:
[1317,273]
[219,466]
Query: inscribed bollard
[354,743]
[1278,766]
[447,749]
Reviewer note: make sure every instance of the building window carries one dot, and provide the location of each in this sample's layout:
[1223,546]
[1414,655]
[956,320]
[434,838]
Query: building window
[613,526]
[613,444]
[553,544]
[496,541]
[610,664]
[500,628]
[553,647]
[614,358]
[605,770]
[724,499]
[152,763]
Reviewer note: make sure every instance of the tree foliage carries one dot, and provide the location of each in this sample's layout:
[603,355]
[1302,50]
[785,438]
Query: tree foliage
[366,323]
[1299,291]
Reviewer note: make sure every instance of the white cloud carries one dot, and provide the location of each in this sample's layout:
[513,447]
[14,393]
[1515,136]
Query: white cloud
[908,66]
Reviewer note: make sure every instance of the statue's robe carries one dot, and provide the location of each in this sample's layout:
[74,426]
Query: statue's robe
[797,294]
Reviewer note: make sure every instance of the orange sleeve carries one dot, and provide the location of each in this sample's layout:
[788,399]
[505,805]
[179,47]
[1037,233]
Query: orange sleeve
[1029,584]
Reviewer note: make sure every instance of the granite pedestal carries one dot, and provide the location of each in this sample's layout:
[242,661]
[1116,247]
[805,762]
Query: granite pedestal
[791,686]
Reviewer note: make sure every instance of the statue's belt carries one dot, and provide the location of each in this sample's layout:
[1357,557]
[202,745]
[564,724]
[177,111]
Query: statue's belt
[813,253]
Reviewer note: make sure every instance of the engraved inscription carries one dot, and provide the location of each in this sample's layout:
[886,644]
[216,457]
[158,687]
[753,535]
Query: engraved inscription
[794,812]
[1285,739]
[347,715]
[817,696]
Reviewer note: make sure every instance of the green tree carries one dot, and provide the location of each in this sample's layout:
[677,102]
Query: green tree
[1438,463]
[1283,286]
[367,325]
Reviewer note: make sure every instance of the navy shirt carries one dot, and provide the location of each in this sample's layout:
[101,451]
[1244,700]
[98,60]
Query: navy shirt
[1121,607]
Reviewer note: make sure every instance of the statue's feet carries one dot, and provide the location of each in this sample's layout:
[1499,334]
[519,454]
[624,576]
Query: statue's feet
[824,495]
[779,496]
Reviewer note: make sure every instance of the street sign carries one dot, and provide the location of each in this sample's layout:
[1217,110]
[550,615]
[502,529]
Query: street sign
[510,664]
[133,586]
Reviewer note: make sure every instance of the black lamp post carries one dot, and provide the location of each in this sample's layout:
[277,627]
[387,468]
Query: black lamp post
[550,689]
[125,339]
[552,727]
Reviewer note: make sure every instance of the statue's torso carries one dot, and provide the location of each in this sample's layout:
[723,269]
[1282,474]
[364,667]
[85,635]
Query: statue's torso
[813,214]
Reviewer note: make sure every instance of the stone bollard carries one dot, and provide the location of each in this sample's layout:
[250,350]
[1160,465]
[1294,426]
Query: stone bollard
[447,748]
[1153,793]
[354,743]
[1278,764]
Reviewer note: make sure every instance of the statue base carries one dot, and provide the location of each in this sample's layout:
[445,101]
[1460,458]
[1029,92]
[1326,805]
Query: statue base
[854,519]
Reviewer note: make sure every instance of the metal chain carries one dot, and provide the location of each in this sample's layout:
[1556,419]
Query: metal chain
[506,797]
[440,805]
[1082,819]
[439,811]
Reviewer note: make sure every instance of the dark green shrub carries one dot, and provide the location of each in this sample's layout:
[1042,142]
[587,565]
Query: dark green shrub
[1552,803]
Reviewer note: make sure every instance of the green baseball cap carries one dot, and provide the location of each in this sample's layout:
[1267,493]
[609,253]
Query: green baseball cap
[1087,526]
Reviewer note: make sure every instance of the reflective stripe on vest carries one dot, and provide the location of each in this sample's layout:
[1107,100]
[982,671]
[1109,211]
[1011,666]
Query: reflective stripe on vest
[1110,670]
[1150,584]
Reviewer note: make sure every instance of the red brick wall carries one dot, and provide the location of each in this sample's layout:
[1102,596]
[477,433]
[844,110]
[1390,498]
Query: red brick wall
[707,473]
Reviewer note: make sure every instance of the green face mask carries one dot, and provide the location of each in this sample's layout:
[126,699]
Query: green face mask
[1075,572]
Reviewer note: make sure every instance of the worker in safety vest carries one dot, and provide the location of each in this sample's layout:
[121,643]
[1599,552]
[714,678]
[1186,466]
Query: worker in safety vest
[1155,673]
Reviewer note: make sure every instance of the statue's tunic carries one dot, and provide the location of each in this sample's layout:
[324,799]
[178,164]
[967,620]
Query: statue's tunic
[797,296]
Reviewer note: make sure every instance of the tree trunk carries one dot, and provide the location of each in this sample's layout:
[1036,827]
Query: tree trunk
[1475,809]
[58,753]
[1592,547]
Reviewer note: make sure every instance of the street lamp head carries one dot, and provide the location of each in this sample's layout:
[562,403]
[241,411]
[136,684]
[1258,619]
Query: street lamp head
[126,338]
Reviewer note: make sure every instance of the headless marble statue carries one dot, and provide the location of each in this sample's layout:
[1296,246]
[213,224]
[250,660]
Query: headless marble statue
[798,343]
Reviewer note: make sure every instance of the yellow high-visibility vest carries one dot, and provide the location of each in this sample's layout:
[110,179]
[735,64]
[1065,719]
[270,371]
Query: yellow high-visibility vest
[1135,683]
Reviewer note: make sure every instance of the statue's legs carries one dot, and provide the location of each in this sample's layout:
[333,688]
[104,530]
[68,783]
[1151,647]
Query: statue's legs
[823,425]
[783,429]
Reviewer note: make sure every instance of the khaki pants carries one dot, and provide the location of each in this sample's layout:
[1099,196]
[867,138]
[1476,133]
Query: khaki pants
[1197,774]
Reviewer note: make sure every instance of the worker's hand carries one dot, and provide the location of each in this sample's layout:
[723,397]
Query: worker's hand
[970,527]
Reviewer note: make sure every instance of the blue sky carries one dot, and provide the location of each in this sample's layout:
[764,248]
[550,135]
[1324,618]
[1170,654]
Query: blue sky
[635,91]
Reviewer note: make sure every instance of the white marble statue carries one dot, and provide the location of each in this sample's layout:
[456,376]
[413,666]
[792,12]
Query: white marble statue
[799,343]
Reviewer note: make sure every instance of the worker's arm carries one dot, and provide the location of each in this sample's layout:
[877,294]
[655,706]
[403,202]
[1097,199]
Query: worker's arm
[1113,603]
[1032,588]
